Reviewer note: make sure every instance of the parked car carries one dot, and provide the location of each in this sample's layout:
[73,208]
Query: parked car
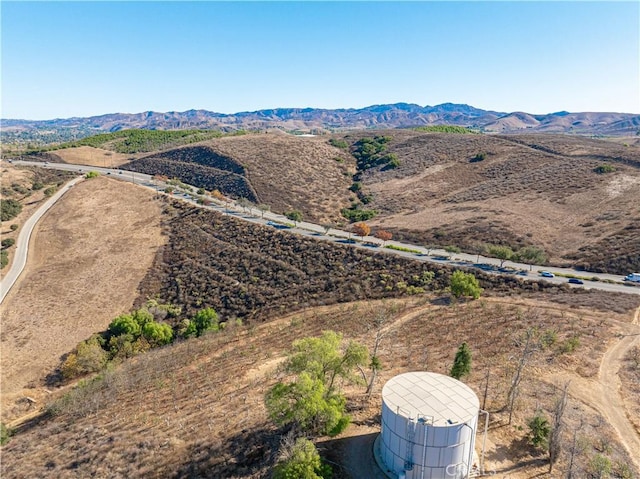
[546,274]
[575,281]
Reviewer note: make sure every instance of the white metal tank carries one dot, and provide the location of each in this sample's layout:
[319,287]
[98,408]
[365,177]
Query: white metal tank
[429,423]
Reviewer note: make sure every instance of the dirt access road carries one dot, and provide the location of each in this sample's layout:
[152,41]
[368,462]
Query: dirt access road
[603,394]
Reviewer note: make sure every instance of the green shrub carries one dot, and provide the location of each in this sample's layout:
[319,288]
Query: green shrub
[13,227]
[157,334]
[49,191]
[205,320]
[5,434]
[37,186]
[125,324]
[465,284]
[4,259]
[602,169]
[90,357]
[445,129]
[355,214]
[9,209]
[478,157]
[92,174]
[339,143]
[539,431]
[7,243]
[301,461]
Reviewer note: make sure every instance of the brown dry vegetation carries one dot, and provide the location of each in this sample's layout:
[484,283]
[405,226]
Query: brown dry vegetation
[252,272]
[89,253]
[277,169]
[530,190]
[537,190]
[195,409]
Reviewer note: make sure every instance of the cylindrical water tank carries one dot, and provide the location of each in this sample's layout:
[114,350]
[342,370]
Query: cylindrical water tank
[429,423]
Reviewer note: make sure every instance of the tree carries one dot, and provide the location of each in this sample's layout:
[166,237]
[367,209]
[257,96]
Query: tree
[263,209]
[205,320]
[531,255]
[503,253]
[451,249]
[464,284]
[157,333]
[462,362]
[312,401]
[7,243]
[125,324]
[539,431]
[300,460]
[361,229]
[9,209]
[383,235]
[245,204]
[294,215]
[527,351]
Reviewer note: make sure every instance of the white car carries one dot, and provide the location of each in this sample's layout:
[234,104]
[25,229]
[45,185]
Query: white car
[546,274]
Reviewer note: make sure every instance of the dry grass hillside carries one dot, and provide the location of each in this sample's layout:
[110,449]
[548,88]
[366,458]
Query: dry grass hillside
[538,190]
[283,171]
[195,409]
[449,189]
[89,253]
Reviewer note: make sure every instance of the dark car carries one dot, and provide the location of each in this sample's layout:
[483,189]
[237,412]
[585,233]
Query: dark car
[575,281]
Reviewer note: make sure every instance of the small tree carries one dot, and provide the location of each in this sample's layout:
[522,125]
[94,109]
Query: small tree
[383,235]
[294,215]
[7,243]
[205,320]
[531,255]
[263,209]
[451,249]
[539,431]
[464,284]
[361,229]
[300,461]
[462,362]
[503,253]
[312,402]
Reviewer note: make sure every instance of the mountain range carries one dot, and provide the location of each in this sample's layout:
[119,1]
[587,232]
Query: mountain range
[398,115]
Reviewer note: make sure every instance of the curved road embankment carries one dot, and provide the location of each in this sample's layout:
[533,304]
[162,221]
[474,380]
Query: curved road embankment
[22,245]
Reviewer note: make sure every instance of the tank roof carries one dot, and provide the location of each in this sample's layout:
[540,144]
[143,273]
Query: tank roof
[449,401]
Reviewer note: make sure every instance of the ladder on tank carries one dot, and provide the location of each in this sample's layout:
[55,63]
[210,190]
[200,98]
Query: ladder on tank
[411,433]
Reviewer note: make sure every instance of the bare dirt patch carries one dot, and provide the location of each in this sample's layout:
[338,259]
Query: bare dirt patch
[88,255]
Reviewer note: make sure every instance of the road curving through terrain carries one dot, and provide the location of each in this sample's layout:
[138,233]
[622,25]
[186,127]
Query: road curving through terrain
[604,282]
[22,245]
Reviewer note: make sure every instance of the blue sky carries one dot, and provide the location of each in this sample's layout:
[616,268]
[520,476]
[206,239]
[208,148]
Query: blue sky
[88,58]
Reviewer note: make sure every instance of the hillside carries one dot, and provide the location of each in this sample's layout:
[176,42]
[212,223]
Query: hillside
[398,115]
[516,190]
[196,407]
[446,188]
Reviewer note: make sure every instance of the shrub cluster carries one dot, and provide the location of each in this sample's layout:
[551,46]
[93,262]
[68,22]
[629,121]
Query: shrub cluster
[9,208]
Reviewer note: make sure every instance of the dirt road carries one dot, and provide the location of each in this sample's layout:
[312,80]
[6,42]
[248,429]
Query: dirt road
[604,394]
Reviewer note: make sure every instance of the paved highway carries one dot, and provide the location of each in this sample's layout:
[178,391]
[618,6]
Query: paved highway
[489,265]
[22,245]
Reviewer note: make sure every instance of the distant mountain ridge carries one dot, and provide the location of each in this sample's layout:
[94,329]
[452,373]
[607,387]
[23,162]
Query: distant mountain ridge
[398,115]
